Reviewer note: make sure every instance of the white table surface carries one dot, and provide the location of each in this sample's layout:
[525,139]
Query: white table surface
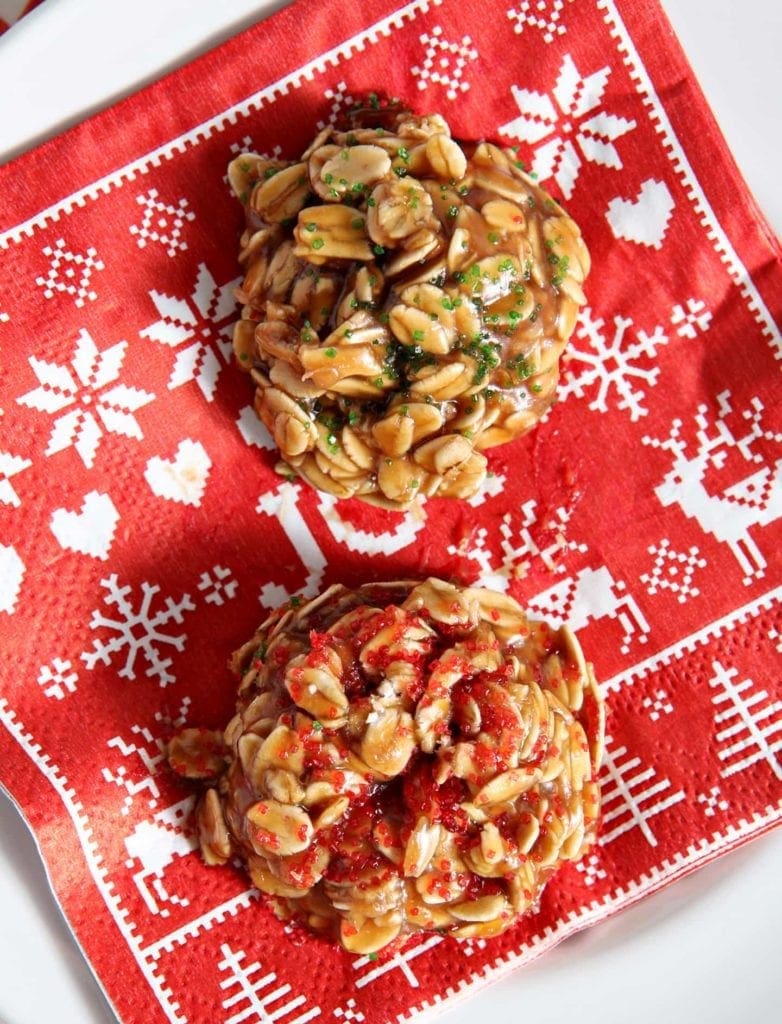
[707,949]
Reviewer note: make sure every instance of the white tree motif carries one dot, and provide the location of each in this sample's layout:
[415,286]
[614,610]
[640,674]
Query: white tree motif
[137,630]
[603,366]
[94,407]
[253,998]
[571,122]
[630,798]
[400,960]
[750,723]
[10,465]
[199,327]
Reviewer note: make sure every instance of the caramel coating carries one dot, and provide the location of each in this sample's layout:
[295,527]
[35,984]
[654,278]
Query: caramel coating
[402,290]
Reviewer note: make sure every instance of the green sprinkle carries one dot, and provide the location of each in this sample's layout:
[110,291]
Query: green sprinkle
[316,725]
[270,172]
[312,226]
[347,333]
[404,154]
[317,243]
[418,335]
[400,172]
[358,223]
[453,210]
[328,178]
[331,353]
[493,237]
[378,250]
[295,602]
[353,417]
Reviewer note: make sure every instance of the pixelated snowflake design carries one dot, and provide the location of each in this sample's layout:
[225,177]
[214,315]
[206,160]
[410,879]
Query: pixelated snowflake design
[444,62]
[713,801]
[199,327]
[658,704]
[161,222]
[572,122]
[673,571]
[691,319]
[10,465]
[632,795]
[775,635]
[144,755]
[607,364]
[591,868]
[749,723]
[94,407]
[519,549]
[138,630]
[339,99]
[70,273]
[58,679]
[218,586]
[254,995]
[349,1012]
[544,15]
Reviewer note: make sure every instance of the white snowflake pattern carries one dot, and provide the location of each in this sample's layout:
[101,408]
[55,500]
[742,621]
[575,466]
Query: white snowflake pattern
[199,327]
[94,408]
[161,222]
[544,15]
[137,630]
[693,319]
[70,273]
[10,465]
[58,679]
[583,126]
[615,364]
[218,586]
[444,62]
[673,570]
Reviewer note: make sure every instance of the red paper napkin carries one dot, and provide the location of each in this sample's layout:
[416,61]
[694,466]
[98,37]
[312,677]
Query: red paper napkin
[144,532]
